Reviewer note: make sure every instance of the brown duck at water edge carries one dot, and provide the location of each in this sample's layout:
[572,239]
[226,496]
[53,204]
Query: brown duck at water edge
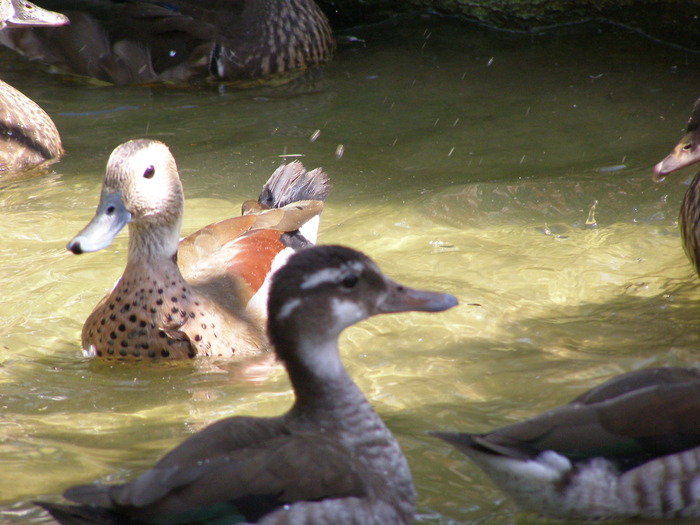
[329,460]
[687,153]
[180,40]
[28,136]
[205,296]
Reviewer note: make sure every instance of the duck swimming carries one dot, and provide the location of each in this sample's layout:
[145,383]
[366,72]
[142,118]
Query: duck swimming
[28,136]
[687,153]
[180,41]
[329,460]
[629,448]
[200,296]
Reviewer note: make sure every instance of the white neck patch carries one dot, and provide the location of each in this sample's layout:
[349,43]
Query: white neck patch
[323,359]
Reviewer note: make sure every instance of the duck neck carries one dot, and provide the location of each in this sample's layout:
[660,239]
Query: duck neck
[327,400]
[152,244]
[321,384]
[689,217]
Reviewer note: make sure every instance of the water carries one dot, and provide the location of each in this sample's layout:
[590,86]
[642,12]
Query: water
[471,160]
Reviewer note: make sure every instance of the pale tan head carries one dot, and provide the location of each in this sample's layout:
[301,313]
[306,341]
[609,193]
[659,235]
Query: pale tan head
[141,187]
[145,173]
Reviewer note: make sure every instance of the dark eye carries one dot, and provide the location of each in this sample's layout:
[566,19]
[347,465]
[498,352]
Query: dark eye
[349,281]
[149,172]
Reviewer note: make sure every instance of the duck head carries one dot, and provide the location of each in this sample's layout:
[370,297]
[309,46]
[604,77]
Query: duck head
[23,13]
[325,289]
[142,188]
[686,152]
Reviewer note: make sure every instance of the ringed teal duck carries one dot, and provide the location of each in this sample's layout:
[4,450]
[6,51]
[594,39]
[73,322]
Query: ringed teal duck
[687,153]
[628,448]
[329,460]
[200,298]
[28,136]
[180,40]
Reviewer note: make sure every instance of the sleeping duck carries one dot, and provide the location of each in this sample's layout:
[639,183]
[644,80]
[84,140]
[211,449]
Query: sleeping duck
[181,40]
[28,136]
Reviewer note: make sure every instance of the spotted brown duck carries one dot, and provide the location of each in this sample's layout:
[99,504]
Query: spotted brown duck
[329,460]
[201,296]
[686,153]
[28,136]
[180,40]
[629,448]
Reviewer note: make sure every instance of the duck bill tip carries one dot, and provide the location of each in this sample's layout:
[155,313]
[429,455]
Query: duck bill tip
[659,173]
[111,216]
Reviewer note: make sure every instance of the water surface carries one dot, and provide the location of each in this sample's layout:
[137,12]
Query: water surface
[471,161]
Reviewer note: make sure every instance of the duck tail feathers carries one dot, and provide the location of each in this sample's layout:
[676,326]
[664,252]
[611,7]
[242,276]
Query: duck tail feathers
[292,182]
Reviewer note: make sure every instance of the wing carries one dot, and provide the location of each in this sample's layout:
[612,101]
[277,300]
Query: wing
[234,468]
[628,419]
[245,246]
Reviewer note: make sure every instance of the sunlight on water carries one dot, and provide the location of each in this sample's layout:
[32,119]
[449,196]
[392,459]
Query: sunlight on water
[510,170]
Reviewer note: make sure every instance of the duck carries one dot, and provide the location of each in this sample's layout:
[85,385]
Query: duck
[686,153]
[28,137]
[628,448]
[329,460]
[199,296]
[180,41]
[23,13]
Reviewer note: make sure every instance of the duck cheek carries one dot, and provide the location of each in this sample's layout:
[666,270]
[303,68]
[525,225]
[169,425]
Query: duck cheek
[346,312]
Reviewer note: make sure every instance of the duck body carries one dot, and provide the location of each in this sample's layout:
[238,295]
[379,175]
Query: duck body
[180,41]
[686,153]
[197,297]
[329,460]
[627,448]
[28,136]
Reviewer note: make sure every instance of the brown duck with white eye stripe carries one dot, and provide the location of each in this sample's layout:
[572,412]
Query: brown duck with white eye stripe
[329,460]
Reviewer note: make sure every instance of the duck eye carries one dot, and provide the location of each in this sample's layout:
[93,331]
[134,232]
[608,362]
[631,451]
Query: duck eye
[349,281]
[149,172]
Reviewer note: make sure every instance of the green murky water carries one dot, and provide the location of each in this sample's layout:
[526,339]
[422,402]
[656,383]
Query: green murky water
[471,161]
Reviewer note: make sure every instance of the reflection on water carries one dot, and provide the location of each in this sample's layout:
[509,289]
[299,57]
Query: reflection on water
[471,161]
